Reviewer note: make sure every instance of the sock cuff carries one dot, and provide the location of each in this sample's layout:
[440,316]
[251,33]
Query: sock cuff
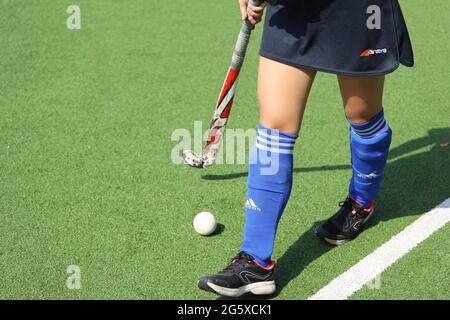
[372,127]
[276,141]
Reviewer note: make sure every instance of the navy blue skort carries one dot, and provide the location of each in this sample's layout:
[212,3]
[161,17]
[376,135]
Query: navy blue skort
[349,37]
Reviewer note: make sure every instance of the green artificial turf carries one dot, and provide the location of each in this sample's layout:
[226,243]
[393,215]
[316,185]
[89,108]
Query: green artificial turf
[422,274]
[86,120]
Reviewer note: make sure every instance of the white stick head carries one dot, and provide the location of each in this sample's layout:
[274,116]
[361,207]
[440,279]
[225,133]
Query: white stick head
[192,159]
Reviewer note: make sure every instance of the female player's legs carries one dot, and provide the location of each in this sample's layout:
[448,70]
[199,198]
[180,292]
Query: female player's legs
[362,97]
[370,135]
[370,138]
[283,92]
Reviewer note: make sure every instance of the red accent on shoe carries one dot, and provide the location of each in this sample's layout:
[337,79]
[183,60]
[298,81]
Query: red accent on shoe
[269,267]
[370,208]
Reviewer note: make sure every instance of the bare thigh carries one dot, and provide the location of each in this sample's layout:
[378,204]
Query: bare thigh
[362,97]
[283,91]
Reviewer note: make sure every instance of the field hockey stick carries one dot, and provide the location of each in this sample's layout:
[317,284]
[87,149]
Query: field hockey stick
[225,101]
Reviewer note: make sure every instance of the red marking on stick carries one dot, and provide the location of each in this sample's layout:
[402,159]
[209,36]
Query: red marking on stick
[229,81]
[226,111]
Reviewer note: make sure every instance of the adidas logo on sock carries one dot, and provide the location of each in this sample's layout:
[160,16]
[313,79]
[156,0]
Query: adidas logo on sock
[250,204]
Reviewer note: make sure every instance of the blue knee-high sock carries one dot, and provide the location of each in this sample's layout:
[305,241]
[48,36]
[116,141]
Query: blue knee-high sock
[369,143]
[269,187]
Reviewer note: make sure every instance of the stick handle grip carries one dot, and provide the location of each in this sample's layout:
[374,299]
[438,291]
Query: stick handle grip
[243,41]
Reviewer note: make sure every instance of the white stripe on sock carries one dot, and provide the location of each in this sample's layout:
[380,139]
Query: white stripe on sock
[374,131]
[275,150]
[273,143]
[266,135]
[371,127]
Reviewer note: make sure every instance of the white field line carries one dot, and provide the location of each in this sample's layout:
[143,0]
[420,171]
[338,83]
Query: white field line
[375,263]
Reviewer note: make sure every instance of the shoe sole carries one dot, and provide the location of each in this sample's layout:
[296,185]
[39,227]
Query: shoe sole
[336,242]
[257,288]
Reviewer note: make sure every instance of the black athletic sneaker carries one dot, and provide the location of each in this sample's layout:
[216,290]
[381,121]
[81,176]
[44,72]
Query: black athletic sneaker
[243,275]
[346,224]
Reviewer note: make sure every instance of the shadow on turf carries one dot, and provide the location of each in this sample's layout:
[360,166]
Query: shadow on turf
[296,170]
[219,229]
[413,184]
